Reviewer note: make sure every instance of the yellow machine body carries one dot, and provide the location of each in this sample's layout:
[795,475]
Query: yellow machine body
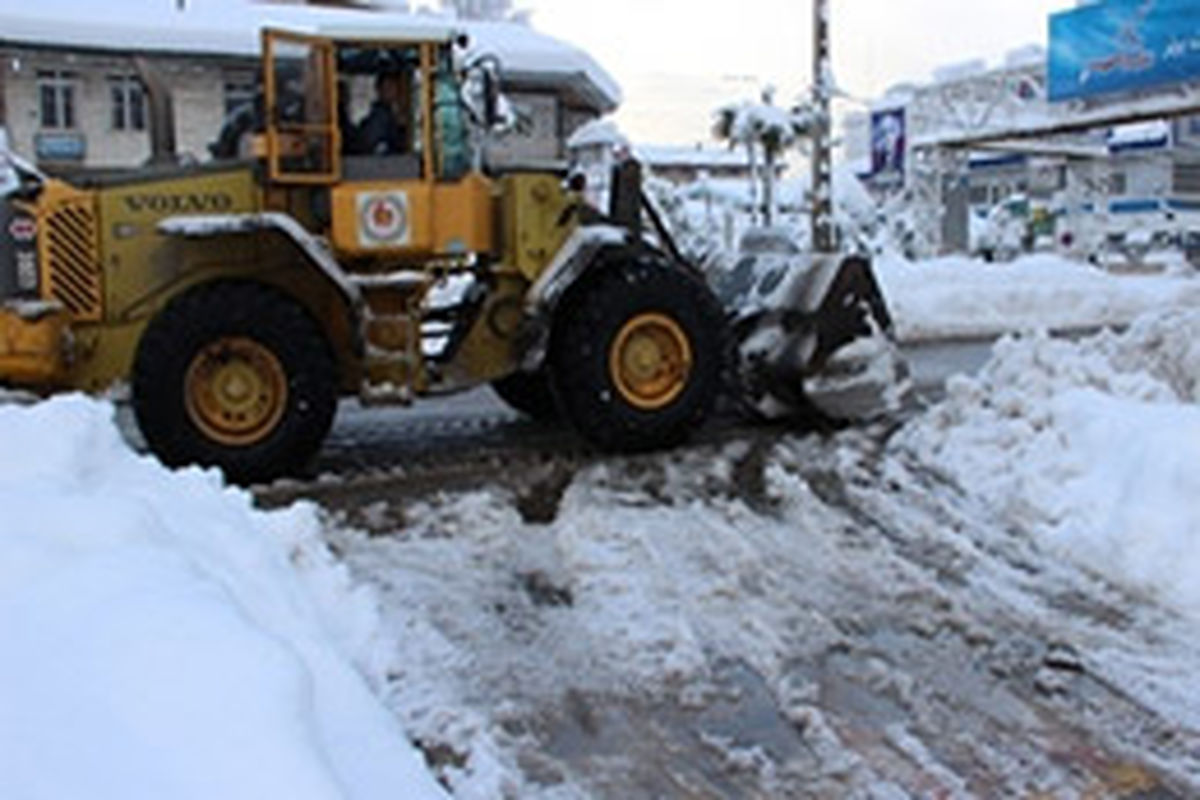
[106,268]
[318,256]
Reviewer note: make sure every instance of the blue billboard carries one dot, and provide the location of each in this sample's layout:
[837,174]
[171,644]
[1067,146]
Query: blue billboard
[1123,45]
[888,141]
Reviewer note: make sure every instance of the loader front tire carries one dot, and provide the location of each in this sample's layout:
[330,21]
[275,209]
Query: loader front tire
[237,376]
[636,355]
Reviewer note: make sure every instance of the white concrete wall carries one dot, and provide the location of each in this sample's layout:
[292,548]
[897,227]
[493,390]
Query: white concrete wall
[540,142]
[197,86]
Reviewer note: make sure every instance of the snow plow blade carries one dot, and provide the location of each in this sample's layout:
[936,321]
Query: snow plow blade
[812,332]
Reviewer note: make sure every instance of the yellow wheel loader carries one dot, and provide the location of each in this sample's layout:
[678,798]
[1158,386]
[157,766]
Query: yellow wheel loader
[320,255]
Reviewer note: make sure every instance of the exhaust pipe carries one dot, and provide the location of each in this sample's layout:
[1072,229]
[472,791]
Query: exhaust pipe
[161,115]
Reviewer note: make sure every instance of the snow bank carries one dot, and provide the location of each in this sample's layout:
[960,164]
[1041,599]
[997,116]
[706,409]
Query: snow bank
[162,638]
[1092,445]
[962,297]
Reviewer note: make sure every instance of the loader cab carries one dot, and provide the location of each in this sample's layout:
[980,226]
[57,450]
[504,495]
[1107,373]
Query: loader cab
[374,134]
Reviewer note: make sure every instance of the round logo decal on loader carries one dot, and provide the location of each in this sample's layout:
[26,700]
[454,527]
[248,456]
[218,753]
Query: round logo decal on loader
[22,229]
[383,219]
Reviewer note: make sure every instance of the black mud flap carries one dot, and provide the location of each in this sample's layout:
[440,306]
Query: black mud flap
[852,308]
[8,255]
[18,252]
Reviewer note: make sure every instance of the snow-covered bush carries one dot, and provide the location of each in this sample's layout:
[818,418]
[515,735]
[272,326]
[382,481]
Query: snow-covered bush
[767,130]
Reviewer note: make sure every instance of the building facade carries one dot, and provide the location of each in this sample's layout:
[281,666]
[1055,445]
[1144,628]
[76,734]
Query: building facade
[1106,181]
[88,108]
[78,101]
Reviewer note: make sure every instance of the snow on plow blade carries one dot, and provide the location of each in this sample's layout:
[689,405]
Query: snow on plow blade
[812,331]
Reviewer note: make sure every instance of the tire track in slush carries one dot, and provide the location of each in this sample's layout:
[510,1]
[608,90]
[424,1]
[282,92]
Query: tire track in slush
[959,691]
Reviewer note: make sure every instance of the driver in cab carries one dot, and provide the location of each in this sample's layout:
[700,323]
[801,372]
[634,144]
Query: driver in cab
[384,129]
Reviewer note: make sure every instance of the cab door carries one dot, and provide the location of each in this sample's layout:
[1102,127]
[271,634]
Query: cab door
[303,142]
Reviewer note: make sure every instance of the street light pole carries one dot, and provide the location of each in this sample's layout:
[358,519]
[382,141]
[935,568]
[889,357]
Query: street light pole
[823,233]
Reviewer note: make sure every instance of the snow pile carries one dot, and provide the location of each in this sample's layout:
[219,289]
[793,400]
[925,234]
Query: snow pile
[962,297]
[1093,445]
[162,638]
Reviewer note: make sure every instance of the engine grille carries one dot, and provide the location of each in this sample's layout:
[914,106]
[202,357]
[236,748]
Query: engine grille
[68,246]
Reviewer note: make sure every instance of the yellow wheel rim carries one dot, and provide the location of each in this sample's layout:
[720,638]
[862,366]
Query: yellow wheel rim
[236,391]
[650,361]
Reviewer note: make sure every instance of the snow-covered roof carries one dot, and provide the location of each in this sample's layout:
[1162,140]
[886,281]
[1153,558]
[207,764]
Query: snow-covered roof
[898,96]
[529,56]
[606,133]
[377,34]
[1140,136]
[598,133]
[951,73]
[1020,59]
[1030,55]
[693,156]
[849,193]
[231,27]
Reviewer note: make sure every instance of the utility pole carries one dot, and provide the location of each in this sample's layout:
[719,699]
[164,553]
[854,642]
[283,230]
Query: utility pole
[823,232]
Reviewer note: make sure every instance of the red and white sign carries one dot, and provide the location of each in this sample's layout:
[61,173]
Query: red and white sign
[22,229]
[383,219]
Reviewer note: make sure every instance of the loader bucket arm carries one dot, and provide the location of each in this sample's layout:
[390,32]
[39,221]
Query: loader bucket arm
[629,203]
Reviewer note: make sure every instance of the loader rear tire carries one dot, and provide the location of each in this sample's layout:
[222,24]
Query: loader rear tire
[238,376]
[636,355]
[529,393]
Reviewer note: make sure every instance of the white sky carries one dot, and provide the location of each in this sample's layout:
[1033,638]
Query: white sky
[678,59]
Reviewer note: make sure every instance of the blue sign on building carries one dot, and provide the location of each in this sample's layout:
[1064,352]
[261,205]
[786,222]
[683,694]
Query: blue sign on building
[1122,46]
[888,141]
[64,146]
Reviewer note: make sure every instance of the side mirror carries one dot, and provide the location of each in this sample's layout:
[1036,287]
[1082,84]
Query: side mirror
[491,98]
[481,92]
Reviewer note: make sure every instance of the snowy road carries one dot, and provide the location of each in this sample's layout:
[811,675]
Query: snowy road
[773,615]
[808,618]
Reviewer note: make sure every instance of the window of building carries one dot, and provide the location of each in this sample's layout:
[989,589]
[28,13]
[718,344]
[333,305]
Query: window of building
[128,103]
[1118,183]
[1186,178]
[56,99]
